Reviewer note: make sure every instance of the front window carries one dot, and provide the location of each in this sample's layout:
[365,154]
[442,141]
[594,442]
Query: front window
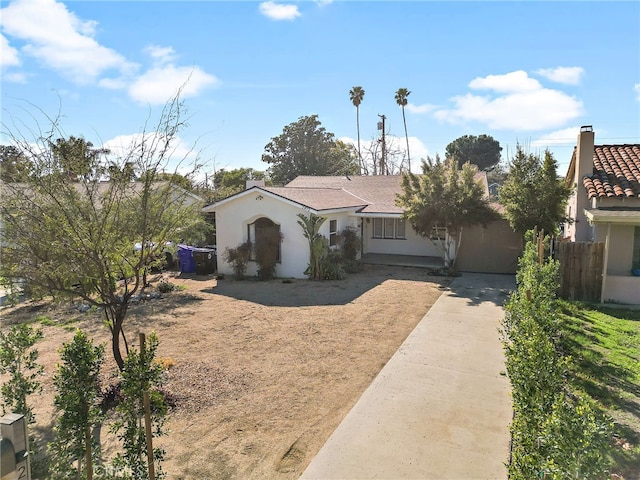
[389,228]
[333,233]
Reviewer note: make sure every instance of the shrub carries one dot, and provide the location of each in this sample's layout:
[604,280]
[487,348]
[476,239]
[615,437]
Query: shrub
[141,373]
[332,267]
[166,287]
[349,242]
[238,258]
[19,361]
[77,389]
[556,433]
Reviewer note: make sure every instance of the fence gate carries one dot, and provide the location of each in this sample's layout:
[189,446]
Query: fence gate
[580,270]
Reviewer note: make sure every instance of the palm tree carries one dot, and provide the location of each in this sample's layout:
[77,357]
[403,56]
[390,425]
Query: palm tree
[401,99]
[356,94]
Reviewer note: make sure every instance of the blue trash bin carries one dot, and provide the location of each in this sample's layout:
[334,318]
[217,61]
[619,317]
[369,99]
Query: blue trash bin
[185,259]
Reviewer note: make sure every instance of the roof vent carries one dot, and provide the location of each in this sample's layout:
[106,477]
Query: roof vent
[586,128]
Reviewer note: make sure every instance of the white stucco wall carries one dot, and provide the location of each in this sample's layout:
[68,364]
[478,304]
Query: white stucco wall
[623,289]
[233,217]
[620,247]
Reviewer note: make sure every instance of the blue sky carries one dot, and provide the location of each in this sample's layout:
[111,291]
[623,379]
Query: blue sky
[524,72]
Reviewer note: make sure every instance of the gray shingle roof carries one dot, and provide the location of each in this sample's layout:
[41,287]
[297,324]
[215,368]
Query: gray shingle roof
[318,198]
[377,193]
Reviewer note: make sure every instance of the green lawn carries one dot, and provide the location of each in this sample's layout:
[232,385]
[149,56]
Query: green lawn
[604,344]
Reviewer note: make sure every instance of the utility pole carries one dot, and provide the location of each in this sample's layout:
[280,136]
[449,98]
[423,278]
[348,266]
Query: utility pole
[384,170]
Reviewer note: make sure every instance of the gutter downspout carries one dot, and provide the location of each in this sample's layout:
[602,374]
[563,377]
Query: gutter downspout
[606,263]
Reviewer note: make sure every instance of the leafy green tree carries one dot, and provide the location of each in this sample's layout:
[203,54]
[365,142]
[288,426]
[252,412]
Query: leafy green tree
[230,182]
[76,157]
[77,387]
[75,239]
[14,166]
[444,197]
[141,374]
[177,179]
[356,95]
[19,361]
[401,100]
[482,151]
[533,195]
[306,148]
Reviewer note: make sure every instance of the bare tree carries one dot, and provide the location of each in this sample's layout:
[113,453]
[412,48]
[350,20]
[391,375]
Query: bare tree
[74,239]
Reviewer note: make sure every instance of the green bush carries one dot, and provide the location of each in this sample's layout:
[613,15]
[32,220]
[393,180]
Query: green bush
[19,361]
[349,242]
[166,287]
[556,432]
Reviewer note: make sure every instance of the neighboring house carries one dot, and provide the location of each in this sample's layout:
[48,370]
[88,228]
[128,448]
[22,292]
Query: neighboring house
[175,192]
[365,203]
[605,207]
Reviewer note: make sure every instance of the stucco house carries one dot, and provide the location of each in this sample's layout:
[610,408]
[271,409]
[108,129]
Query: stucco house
[605,207]
[365,203]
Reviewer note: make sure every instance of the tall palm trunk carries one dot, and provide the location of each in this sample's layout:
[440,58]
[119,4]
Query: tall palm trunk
[358,128]
[406,136]
[401,100]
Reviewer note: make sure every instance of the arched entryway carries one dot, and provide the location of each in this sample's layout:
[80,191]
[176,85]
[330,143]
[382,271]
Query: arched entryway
[265,238]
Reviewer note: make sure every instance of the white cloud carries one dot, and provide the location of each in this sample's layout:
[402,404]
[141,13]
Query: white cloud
[113,83]
[161,54]
[323,3]
[424,108]
[8,55]
[158,85]
[279,11]
[636,87]
[566,136]
[59,39]
[14,77]
[511,82]
[522,103]
[567,75]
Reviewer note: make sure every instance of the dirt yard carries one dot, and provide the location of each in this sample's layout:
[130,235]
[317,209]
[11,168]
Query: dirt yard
[263,372]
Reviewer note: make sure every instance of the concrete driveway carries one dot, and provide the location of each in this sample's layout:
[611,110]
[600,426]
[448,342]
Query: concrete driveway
[440,408]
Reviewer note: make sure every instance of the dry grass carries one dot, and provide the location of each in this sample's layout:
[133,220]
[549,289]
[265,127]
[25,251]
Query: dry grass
[261,372]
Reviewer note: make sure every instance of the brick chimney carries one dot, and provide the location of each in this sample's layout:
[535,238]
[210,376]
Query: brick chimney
[584,167]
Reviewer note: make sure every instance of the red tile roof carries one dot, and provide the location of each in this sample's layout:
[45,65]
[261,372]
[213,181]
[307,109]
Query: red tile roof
[616,172]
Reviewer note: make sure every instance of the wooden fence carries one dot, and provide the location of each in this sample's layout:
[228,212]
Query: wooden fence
[580,270]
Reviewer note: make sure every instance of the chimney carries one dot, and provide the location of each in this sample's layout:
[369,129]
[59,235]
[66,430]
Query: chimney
[584,167]
[254,183]
[584,153]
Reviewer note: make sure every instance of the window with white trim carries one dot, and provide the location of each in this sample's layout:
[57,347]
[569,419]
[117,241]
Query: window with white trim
[389,228]
[333,233]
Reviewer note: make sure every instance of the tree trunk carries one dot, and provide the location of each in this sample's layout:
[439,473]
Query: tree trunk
[115,345]
[115,319]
